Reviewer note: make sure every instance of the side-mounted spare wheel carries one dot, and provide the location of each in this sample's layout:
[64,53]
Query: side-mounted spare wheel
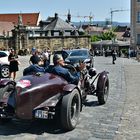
[70,110]
[103,91]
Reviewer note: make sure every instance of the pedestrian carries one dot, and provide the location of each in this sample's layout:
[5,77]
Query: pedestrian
[13,65]
[45,57]
[49,55]
[33,50]
[113,56]
[34,58]
[128,55]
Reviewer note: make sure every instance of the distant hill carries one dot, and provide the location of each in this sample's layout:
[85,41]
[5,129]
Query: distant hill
[102,23]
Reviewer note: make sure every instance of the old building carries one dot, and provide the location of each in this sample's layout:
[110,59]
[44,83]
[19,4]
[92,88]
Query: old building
[93,30]
[135,23]
[8,21]
[54,26]
[53,33]
[122,33]
[29,19]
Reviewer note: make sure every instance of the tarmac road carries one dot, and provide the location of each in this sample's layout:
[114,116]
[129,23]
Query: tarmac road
[118,119]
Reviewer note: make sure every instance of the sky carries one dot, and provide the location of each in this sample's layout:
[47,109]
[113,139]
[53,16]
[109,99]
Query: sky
[100,10]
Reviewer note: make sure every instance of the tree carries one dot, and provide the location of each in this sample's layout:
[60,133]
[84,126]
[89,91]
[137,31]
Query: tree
[95,38]
[108,35]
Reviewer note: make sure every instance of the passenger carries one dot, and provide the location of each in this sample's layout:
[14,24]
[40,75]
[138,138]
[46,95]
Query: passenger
[34,68]
[60,70]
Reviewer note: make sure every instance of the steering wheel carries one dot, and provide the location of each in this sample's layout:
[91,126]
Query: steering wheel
[71,68]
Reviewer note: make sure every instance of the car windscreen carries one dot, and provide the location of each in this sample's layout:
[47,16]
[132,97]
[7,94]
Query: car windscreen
[79,53]
[64,54]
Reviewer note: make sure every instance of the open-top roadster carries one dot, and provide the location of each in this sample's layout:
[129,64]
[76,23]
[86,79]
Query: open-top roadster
[46,96]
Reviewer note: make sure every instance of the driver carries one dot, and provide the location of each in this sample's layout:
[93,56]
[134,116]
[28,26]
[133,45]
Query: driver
[59,69]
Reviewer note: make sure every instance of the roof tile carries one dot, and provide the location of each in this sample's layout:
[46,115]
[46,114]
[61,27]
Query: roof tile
[30,19]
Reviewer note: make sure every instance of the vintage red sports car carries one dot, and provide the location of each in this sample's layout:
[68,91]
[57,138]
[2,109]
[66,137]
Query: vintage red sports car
[45,96]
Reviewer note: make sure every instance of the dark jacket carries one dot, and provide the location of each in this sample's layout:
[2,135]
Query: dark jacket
[33,69]
[63,72]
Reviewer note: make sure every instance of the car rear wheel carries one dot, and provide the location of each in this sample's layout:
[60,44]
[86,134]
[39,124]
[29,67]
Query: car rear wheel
[5,71]
[70,110]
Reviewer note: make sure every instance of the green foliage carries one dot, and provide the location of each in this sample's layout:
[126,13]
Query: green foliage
[95,38]
[124,51]
[82,33]
[109,35]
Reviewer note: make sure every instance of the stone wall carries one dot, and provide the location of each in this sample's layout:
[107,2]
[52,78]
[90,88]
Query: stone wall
[58,43]
[53,43]
[4,43]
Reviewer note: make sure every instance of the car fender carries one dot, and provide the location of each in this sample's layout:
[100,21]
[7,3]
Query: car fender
[101,81]
[51,102]
[69,87]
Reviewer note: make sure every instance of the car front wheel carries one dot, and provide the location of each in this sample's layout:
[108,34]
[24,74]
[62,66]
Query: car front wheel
[102,97]
[70,110]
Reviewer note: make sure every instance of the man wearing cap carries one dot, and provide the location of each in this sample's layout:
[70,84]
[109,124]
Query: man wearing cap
[59,69]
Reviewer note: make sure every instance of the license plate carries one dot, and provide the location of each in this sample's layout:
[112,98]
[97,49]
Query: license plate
[41,114]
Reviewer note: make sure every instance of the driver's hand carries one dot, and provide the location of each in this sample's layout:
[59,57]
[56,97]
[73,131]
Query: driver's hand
[82,66]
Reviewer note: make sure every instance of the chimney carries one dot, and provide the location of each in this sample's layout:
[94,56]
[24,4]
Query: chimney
[69,17]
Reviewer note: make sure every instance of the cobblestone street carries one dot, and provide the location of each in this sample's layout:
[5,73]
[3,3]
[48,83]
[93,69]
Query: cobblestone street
[118,119]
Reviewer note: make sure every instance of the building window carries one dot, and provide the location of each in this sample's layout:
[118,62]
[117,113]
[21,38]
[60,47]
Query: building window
[56,33]
[138,39]
[138,17]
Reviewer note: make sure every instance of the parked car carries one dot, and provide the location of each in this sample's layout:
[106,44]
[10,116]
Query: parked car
[63,53]
[4,64]
[77,55]
[108,53]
